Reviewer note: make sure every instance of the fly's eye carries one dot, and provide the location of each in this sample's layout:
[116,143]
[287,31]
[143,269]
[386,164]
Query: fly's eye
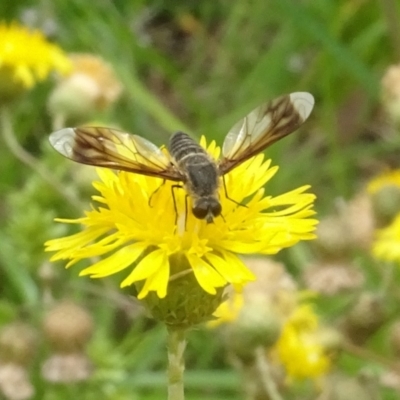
[200,210]
[216,208]
[207,209]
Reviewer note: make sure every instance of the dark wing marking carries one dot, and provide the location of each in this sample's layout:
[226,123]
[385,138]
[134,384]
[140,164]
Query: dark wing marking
[110,148]
[264,126]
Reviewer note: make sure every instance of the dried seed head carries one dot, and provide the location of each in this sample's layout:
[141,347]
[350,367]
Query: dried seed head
[366,316]
[68,327]
[359,218]
[391,379]
[257,325]
[333,238]
[17,343]
[67,368]
[14,382]
[352,227]
[91,87]
[274,285]
[386,203]
[332,277]
[340,387]
[394,338]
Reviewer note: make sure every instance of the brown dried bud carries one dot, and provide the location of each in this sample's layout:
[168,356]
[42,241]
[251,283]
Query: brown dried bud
[47,274]
[352,227]
[358,216]
[91,87]
[67,368]
[332,277]
[391,378]
[333,238]
[258,325]
[340,387]
[273,284]
[68,327]
[386,203]
[17,343]
[365,318]
[14,382]
[394,338]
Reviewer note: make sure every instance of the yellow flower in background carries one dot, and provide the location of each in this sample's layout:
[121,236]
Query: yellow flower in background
[387,242]
[388,178]
[135,227]
[298,347]
[26,57]
[228,311]
[384,193]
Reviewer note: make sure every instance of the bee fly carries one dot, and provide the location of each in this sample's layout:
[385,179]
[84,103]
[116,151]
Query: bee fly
[187,162]
[201,175]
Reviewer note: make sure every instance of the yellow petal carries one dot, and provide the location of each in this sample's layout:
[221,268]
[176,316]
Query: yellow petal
[158,282]
[146,267]
[116,262]
[206,275]
[232,271]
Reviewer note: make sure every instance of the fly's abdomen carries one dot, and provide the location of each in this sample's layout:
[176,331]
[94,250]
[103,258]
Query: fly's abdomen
[182,146]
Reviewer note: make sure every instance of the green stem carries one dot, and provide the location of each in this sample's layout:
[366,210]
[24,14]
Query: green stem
[390,10]
[265,376]
[58,121]
[176,363]
[26,158]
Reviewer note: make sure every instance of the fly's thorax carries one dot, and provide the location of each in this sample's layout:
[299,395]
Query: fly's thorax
[202,185]
[198,167]
[202,177]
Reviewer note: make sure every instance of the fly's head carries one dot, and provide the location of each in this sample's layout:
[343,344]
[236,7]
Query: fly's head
[207,208]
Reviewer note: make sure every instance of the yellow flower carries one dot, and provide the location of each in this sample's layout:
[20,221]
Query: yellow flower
[136,227]
[387,243]
[27,57]
[298,347]
[388,178]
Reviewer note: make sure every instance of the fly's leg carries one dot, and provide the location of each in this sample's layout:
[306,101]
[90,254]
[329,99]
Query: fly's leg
[155,191]
[229,198]
[173,187]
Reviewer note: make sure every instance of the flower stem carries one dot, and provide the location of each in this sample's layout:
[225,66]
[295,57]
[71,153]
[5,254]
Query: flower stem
[176,363]
[26,158]
[265,376]
[58,121]
[391,18]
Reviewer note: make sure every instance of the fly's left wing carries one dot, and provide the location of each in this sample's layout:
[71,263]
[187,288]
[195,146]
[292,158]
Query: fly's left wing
[264,126]
[110,148]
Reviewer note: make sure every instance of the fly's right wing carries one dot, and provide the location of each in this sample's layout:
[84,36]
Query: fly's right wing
[263,126]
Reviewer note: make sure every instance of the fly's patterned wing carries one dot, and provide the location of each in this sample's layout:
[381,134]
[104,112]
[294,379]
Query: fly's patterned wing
[110,148]
[264,126]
